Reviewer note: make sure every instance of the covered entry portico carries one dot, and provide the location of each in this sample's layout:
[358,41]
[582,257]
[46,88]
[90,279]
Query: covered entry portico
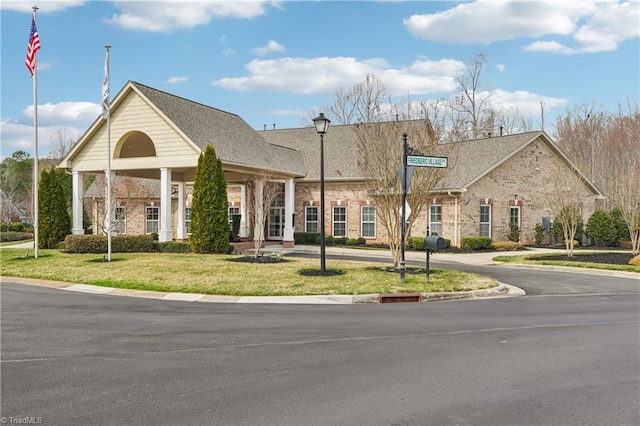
[159,136]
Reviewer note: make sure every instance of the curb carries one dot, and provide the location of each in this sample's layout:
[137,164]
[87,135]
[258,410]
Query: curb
[502,290]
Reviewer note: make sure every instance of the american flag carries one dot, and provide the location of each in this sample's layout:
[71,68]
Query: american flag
[32,48]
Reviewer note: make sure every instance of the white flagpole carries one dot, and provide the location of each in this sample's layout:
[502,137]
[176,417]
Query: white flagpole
[106,111]
[35,149]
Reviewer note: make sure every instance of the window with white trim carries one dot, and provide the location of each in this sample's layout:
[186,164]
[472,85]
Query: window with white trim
[187,220]
[514,215]
[339,217]
[120,220]
[368,221]
[485,220]
[435,219]
[152,221]
[311,219]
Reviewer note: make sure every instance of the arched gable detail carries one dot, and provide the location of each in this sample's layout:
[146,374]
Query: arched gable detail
[135,144]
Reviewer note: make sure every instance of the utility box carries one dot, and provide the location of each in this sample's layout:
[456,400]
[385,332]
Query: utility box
[434,243]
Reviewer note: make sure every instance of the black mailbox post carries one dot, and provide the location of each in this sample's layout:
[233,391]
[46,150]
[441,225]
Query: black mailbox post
[433,243]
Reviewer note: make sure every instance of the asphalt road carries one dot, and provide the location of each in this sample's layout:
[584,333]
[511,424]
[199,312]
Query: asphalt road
[571,357]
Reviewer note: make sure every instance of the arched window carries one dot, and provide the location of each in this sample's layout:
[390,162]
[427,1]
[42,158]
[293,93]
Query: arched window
[135,144]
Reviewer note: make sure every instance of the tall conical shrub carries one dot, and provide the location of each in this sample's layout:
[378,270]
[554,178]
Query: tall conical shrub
[209,214]
[54,222]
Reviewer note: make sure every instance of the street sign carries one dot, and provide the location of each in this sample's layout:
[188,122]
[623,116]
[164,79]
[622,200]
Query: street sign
[421,161]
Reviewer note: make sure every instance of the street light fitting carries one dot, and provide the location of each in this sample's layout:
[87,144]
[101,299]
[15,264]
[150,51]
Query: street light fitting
[322,123]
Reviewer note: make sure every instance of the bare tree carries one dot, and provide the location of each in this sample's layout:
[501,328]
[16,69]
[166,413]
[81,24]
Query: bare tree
[472,102]
[62,140]
[265,190]
[380,156]
[566,205]
[129,192]
[623,158]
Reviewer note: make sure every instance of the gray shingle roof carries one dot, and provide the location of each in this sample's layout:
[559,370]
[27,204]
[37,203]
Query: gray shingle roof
[469,161]
[234,140]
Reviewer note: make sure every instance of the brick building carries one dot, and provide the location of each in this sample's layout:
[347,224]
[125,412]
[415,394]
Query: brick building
[156,139]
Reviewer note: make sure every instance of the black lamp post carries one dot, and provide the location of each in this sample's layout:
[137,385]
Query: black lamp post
[322,124]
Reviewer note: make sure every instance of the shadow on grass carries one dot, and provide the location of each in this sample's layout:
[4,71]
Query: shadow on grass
[103,259]
[313,272]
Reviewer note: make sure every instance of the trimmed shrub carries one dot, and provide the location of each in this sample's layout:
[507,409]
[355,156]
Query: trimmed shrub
[7,236]
[601,229]
[15,227]
[172,247]
[539,234]
[98,244]
[341,241]
[620,226]
[306,237]
[329,240]
[54,220]
[504,246]
[635,261]
[514,232]
[357,241]
[476,243]
[209,213]
[415,243]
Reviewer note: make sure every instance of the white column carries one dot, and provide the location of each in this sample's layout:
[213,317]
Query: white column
[289,205]
[76,203]
[258,221]
[243,212]
[165,233]
[182,230]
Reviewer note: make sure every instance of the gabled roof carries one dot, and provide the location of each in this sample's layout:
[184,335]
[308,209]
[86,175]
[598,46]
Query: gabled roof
[471,160]
[235,142]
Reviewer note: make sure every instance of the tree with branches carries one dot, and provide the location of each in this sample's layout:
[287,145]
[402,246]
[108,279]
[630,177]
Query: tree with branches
[264,190]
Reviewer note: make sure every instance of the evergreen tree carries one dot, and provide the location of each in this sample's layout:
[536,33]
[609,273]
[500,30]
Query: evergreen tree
[209,221]
[54,222]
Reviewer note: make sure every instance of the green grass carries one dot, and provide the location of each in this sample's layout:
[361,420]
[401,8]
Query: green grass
[539,259]
[215,274]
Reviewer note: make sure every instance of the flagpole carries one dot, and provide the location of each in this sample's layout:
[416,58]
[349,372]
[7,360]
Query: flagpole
[35,149]
[106,110]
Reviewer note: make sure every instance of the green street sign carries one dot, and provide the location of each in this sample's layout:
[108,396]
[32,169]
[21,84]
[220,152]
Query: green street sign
[420,161]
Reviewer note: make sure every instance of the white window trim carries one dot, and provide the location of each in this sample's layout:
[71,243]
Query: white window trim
[431,223]
[519,214]
[333,221]
[124,232]
[362,222]
[306,221]
[146,220]
[488,223]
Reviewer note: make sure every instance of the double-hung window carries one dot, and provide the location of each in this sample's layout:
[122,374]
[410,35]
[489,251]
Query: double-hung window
[368,221]
[485,220]
[339,221]
[311,219]
[187,220]
[152,219]
[435,219]
[120,220]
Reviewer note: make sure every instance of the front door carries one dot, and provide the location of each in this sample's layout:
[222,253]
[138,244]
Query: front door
[276,223]
[275,220]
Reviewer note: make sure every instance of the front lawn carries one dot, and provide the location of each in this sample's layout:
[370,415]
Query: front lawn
[217,274]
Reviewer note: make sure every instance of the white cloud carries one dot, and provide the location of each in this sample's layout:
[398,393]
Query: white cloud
[16,136]
[271,46]
[177,80]
[500,67]
[523,101]
[228,52]
[45,6]
[63,113]
[593,25]
[166,16]
[324,75]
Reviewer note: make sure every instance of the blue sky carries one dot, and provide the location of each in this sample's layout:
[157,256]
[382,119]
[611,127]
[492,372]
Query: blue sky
[275,62]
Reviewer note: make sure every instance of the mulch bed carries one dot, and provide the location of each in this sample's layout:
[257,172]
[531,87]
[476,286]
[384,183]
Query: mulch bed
[259,259]
[605,257]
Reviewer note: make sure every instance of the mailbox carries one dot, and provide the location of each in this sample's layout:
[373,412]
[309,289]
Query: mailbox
[434,243]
